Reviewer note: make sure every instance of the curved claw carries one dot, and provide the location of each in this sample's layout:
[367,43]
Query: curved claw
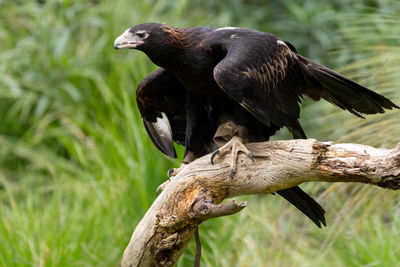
[159,188]
[251,157]
[170,173]
[216,152]
[232,173]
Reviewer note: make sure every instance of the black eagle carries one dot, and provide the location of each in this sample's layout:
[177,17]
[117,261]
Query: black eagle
[208,76]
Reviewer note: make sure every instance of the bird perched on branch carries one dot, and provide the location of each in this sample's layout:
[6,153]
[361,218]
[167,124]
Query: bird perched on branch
[208,76]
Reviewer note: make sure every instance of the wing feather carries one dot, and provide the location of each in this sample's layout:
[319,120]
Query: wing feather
[161,99]
[341,91]
[265,79]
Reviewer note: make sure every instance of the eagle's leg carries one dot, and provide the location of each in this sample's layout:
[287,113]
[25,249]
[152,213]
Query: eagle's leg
[235,145]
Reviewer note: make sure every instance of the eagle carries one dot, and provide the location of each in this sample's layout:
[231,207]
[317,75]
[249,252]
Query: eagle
[209,76]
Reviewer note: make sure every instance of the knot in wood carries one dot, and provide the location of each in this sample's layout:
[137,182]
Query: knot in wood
[203,209]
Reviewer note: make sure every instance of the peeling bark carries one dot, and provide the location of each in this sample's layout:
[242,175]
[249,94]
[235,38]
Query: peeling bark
[195,194]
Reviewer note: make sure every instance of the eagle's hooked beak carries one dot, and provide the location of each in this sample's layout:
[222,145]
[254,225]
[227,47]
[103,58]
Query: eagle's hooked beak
[127,40]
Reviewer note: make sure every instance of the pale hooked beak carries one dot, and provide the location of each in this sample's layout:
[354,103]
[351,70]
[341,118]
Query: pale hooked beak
[127,40]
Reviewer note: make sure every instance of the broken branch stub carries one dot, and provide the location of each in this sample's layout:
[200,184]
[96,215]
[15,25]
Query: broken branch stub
[203,210]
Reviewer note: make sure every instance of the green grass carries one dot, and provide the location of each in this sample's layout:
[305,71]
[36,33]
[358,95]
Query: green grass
[77,171]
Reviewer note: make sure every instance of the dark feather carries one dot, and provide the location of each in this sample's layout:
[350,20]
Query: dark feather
[161,100]
[344,92]
[161,135]
[299,198]
[305,204]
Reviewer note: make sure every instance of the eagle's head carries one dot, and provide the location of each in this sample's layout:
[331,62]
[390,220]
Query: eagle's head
[146,37]
[139,37]
[160,42]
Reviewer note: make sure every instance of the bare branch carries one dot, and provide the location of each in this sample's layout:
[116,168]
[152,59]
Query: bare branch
[195,193]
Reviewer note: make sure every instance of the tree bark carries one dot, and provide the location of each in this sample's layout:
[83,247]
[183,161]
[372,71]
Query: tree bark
[195,194]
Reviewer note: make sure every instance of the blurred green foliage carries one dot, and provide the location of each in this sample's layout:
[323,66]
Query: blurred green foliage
[77,171]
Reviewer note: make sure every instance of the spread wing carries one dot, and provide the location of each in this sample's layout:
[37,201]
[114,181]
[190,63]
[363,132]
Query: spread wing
[265,78]
[161,99]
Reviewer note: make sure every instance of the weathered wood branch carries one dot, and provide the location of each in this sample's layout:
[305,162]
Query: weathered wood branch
[195,194]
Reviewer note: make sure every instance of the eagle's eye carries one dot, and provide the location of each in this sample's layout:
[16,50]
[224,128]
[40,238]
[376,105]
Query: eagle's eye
[142,34]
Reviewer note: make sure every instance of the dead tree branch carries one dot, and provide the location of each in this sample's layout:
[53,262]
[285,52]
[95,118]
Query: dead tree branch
[195,194]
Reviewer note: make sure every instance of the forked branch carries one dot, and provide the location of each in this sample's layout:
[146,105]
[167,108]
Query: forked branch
[195,194]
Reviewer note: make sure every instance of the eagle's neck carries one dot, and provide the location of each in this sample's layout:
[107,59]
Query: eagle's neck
[172,48]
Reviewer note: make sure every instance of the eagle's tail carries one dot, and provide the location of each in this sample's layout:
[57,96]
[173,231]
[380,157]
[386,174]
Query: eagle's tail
[298,197]
[305,204]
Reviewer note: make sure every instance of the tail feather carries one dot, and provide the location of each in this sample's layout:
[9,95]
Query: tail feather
[305,204]
[344,92]
[297,197]
[297,131]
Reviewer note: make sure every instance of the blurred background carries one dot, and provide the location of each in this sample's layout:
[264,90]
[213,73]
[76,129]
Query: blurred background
[78,172]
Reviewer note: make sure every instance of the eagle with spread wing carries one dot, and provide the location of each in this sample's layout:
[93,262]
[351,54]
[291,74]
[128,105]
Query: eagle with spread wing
[208,76]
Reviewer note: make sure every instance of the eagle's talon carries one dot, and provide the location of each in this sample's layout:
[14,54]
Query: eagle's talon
[162,186]
[251,157]
[170,173]
[236,146]
[216,152]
